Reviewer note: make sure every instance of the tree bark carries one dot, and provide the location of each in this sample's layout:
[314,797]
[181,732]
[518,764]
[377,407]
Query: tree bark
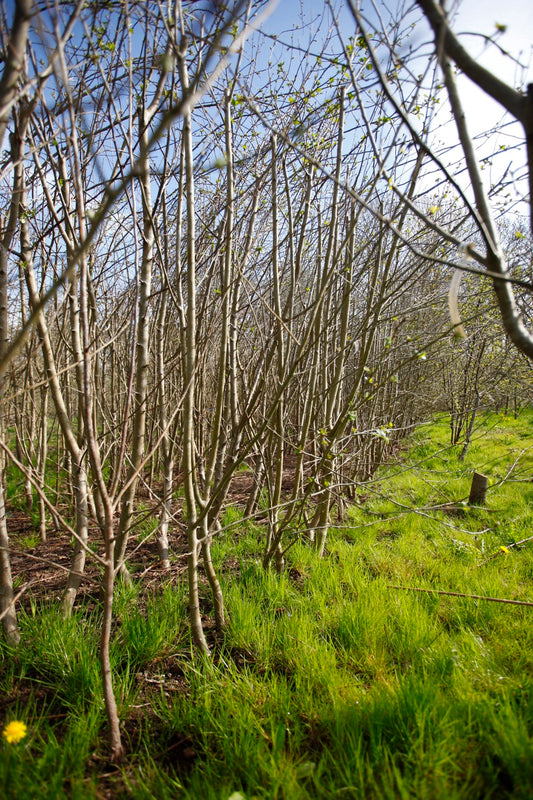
[190,483]
[7,608]
[478,489]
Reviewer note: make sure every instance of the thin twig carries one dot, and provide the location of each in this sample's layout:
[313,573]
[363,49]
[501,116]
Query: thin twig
[53,509]
[468,596]
[508,547]
[16,598]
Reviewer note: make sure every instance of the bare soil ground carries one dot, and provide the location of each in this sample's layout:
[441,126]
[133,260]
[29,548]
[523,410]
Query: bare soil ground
[40,570]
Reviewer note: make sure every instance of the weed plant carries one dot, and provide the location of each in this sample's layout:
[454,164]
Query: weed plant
[335,678]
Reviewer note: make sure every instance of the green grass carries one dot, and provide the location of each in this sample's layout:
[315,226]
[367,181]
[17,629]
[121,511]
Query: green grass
[329,681]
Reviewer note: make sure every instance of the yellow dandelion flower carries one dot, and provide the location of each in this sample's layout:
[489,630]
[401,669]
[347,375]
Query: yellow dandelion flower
[14,732]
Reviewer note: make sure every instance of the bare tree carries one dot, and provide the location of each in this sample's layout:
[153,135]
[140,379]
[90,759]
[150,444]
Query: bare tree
[448,49]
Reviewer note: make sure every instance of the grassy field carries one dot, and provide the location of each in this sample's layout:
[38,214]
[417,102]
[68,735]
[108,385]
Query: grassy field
[334,679]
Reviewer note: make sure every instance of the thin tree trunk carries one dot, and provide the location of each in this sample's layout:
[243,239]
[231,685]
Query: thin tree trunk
[167,458]
[73,447]
[42,459]
[115,740]
[142,348]
[190,484]
[7,607]
[273,543]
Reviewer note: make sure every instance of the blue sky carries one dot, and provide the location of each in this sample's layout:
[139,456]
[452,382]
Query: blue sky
[471,18]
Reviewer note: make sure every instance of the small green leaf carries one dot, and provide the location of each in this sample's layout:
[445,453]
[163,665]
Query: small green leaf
[305,769]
